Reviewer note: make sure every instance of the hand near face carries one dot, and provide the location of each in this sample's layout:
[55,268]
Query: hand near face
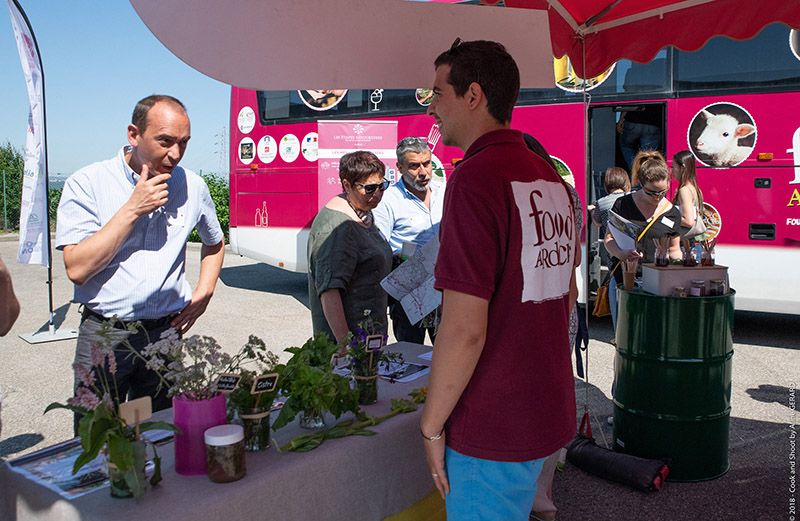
[150,193]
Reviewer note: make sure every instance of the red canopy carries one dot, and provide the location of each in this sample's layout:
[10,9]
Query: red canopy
[638,29]
[278,45]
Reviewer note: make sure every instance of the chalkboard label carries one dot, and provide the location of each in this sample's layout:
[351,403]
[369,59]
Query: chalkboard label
[264,383]
[228,382]
[374,343]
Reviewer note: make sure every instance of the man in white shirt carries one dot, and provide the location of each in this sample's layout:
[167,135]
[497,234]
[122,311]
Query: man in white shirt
[410,212]
[123,225]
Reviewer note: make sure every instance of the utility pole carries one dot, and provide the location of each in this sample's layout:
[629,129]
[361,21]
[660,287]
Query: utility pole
[223,151]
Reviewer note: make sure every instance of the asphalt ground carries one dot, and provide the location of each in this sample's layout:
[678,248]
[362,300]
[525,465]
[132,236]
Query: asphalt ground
[252,298]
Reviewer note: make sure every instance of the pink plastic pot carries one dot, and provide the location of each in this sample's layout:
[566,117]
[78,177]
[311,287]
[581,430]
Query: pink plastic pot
[193,418]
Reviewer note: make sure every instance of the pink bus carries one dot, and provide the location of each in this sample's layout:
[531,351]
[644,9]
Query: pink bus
[283,153]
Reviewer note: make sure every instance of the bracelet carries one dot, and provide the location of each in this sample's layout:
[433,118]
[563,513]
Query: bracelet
[432,438]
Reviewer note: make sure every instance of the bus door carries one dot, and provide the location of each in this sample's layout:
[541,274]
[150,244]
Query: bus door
[607,148]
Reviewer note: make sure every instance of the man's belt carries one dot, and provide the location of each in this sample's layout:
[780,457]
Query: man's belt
[147,323]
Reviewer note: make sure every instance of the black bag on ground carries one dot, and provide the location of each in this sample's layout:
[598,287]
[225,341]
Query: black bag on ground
[643,474]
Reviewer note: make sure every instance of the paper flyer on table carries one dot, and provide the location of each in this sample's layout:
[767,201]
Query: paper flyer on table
[51,467]
[412,282]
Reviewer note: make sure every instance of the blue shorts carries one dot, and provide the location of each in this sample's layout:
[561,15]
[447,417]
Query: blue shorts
[482,489]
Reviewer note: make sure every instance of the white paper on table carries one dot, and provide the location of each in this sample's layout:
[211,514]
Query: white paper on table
[412,282]
[404,372]
[426,356]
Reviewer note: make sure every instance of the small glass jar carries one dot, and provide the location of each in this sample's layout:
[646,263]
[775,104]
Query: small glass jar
[698,288]
[719,286]
[678,291]
[225,453]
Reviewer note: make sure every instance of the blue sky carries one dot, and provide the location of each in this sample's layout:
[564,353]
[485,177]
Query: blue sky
[99,60]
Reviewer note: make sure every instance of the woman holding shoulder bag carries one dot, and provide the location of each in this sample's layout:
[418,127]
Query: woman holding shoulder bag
[688,197]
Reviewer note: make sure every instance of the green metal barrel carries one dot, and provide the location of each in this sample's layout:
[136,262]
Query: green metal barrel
[672,396]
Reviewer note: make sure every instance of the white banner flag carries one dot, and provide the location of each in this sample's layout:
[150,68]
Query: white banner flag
[33,237]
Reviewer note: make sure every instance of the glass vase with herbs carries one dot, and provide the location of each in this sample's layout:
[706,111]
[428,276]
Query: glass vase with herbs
[311,388]
[103,427]
[249,404]
[366,353]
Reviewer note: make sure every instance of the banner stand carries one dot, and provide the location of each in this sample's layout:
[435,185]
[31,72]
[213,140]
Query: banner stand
[52,335]
[35,230]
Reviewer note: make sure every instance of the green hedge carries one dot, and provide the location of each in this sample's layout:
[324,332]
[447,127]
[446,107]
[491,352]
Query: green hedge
[221,195]
[11,162]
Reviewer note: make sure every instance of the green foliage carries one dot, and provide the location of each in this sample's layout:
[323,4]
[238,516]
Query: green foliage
[221,195]
[53,198]
[103,427]
[11,162]
[101,424]
[310,384]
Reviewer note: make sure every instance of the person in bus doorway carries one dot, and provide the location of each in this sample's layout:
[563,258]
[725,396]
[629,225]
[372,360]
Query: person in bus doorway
[347,255]
[123,226]
[501,395]
[688,197]
[409,214]
[639,130]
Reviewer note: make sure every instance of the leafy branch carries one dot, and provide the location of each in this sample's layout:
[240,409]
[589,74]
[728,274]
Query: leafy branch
[309,442]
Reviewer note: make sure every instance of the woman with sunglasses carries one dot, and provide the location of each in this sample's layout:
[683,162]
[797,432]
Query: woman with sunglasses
[347,255]
[641,207]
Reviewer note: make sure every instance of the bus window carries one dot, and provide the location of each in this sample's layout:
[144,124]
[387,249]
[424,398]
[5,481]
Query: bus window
[765,63]
[276,104]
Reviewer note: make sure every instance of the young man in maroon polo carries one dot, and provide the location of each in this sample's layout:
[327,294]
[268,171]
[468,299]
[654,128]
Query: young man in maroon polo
[501,396]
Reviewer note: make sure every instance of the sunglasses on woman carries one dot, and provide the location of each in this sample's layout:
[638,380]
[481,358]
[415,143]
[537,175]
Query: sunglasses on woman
[656,193]
[371,188]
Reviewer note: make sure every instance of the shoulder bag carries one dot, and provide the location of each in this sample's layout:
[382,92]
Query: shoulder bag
[602,307]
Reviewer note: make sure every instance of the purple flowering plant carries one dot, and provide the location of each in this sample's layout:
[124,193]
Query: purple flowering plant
[101,425]
[362,362]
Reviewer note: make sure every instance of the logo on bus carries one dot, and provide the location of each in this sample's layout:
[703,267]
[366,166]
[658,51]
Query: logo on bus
[246,150]
[246,120]
[310,148]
